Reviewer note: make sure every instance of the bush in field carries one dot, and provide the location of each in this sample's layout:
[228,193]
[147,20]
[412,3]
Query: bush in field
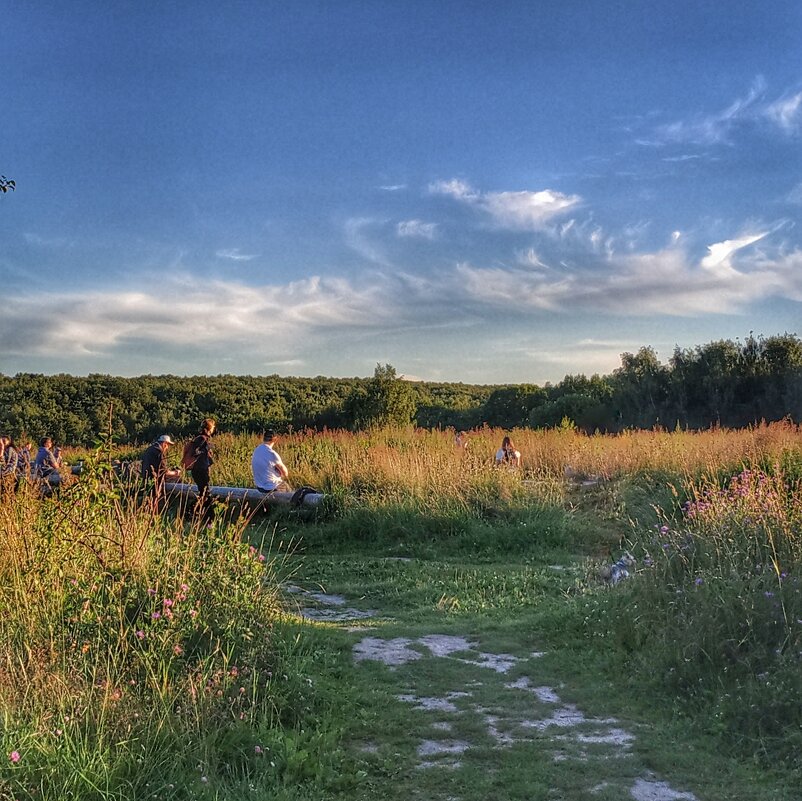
[716,611]
[138,655]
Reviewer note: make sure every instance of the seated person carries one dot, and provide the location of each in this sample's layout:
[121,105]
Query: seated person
[507,454]
[269,472]
[155,471]
[46,465]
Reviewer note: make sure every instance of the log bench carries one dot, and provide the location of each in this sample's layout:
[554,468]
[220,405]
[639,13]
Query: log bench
[253,497]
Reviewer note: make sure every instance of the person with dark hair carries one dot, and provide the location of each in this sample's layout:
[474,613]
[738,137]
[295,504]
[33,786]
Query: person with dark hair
[46,465]
[203,460]
[269,471]
[155,471]
[507,454]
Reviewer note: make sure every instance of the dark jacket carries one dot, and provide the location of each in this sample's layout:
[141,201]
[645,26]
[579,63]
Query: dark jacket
[202,447]
[154,463]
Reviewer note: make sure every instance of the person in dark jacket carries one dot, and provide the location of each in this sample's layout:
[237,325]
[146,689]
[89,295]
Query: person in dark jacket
[202,452]
[155,471]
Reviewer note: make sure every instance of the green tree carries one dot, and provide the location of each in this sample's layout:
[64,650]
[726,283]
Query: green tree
[386,400]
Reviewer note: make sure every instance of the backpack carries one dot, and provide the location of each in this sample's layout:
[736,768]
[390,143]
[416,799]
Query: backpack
[188,455]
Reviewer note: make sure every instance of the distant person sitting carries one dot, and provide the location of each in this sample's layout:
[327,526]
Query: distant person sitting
[507,454]
[8,464]
[269,472]
[155,471]
[46,465]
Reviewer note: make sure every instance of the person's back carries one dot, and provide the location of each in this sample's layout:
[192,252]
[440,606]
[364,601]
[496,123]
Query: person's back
[269,471]
[153,464]
[45,462]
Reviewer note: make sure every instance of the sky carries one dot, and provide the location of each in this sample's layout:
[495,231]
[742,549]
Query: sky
[485,192]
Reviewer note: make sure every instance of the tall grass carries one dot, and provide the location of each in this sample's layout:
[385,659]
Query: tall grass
[140,656]
[715,613]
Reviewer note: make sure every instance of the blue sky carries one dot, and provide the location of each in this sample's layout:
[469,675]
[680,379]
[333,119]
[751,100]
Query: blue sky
[470,191]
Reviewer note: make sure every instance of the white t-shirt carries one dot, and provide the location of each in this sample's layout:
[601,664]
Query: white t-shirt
[264,466]
[512,457]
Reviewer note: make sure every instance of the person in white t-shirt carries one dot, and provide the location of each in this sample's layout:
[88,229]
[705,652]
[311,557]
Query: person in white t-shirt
[508,454]
[269,472]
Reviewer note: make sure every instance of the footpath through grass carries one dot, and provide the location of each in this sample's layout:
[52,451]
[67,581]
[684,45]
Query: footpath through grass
[464,686]
[500,675]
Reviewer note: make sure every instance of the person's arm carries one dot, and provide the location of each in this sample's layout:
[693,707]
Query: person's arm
[281,469]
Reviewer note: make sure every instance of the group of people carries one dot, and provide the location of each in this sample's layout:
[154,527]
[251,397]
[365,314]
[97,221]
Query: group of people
[269,471]
[16,465]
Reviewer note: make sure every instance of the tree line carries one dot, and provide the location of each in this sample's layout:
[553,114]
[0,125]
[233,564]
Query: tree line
[727,383]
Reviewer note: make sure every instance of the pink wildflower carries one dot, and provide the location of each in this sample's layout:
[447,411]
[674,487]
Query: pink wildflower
[14,757]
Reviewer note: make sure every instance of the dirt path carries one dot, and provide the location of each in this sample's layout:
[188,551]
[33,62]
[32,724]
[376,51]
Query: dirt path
[484,723]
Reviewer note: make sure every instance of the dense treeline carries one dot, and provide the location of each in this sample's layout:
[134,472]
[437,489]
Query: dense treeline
[723,383]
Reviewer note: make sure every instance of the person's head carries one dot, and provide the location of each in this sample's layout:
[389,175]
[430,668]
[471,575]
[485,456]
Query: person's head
[506,443]
[164,442]
[269,436]
[208,426]
[46,442]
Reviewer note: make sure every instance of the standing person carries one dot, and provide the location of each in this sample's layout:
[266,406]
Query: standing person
[202,455]
[507,454]
[46,465]
[155,471]
[269,472]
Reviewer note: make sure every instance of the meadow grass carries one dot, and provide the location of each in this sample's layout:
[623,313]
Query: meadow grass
[147,657]
[105,695]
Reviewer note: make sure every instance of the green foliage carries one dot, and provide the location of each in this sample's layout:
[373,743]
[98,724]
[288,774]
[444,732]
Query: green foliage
[723,383]
[386,401]
[139,654]
[715,615]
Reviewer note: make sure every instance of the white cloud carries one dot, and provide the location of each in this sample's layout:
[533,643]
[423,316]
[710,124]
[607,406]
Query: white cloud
[416,229]
[786,112]
[455,188]
[188,321]
[664,283]
[393,187]
[235,255]
[719,258]
[523,210]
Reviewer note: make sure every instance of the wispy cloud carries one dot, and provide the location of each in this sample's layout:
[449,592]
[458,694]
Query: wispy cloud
[282,324]
[786,112]
[235,254]
[393,187]
[416,229]
[358,237]
[707,129]
[521,210]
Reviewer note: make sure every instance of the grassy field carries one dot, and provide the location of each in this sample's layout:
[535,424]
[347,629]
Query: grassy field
[143,657]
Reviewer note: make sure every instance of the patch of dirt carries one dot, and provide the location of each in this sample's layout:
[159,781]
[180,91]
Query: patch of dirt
[644,790]
[573,736]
